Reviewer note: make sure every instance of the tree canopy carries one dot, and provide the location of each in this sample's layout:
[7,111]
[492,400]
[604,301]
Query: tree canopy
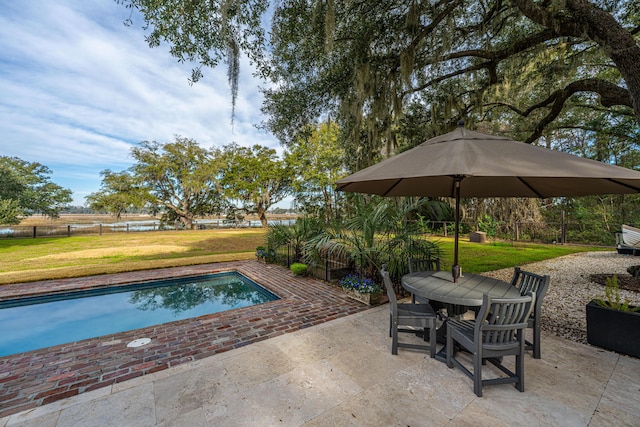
[521,67]
[532,68]
[255,177]
[180,176]
[119,193]
[27,189]
[185,181]
[317,160]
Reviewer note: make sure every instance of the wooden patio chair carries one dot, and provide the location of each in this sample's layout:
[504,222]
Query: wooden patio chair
[405,317]
[526,282]
[498,331]
[423,264]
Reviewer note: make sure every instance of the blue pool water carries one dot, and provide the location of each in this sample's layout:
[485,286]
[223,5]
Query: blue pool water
[37,322]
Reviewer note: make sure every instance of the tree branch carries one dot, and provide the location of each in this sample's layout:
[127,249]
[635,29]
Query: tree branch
[583,19]
[610,95]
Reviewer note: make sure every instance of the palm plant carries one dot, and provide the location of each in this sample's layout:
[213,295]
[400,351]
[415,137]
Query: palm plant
[383,232]
[294,235]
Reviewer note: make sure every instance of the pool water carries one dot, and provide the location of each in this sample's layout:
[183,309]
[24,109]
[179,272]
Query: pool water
[37,322]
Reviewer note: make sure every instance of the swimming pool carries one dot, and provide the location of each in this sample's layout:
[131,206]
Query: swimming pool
[42,321]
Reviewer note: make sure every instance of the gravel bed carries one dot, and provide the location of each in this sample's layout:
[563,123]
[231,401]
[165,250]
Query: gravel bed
[563,311]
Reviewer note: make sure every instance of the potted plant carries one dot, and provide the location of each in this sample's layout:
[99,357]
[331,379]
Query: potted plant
[612,323]
[361,288]
[298,269]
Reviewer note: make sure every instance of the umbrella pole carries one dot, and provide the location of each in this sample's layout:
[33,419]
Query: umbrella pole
[455,270]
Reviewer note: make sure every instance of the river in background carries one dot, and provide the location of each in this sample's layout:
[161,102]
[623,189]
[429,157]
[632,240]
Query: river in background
[88,226]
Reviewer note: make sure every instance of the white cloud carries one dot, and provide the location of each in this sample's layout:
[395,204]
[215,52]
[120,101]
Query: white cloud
[79,89]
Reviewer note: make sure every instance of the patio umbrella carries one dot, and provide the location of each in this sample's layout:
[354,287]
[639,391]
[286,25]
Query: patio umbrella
[464,163]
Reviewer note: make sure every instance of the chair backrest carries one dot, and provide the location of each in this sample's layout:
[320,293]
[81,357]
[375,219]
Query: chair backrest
[500,319]
[526,282]
[424,264]
[391,293]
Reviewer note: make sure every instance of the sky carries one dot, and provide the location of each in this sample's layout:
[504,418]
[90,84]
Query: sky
[78,89]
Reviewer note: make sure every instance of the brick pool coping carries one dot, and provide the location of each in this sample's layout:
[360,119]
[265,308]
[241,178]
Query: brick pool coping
[38,377]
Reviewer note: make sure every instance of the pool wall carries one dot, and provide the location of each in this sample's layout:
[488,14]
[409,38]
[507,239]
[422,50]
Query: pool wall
[35,378]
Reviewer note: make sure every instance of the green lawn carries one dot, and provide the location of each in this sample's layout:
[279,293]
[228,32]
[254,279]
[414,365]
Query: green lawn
[478,258]
[24,260]
[58,257]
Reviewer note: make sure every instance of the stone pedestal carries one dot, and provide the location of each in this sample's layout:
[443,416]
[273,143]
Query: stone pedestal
[478,237]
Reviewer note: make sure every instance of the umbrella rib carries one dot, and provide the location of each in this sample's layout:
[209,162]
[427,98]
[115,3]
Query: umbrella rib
[530,188]
[391,188]
[632,187]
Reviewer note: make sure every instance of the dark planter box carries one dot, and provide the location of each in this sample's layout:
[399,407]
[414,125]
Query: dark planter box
[614,330]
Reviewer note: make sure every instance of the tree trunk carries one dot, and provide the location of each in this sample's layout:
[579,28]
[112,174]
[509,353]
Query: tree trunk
[188,222]
[263,218]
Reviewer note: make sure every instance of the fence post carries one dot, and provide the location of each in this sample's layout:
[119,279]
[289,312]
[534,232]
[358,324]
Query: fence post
[516,231]
[563,230]
[444,228]
[68,231]
[101,229]
[34,231]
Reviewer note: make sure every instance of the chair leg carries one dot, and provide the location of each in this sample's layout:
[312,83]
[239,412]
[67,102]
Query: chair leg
[477,374]
[449,346]
[432,338]
[520,371]
[394,339]
[536,340]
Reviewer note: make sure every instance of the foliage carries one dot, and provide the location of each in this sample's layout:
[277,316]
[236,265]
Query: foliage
[26,189]
[11,212]
[488,225]
[382,231]
[316,159]
[298,269]
[119,193]
[524,67]
[594,218]
[295,235]
[255,177]
[206,32]
[359,284]
[390,74]
[180,176]
[612,297]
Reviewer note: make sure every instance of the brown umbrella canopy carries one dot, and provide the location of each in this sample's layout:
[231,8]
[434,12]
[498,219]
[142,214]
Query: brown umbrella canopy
[465,163]
[489,166]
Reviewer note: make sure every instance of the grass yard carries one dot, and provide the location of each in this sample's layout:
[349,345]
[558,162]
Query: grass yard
[478,258]
[24,260]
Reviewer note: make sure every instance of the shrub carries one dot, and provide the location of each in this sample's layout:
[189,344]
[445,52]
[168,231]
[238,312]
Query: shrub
[298,269]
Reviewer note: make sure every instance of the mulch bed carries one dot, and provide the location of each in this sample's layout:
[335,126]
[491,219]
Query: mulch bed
[625,281]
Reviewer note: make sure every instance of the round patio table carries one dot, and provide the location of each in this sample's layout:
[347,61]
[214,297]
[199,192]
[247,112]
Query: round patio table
[468,292]
[439,286]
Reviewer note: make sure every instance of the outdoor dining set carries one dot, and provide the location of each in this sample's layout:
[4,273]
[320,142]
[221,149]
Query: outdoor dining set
[469,164]
[481,316]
